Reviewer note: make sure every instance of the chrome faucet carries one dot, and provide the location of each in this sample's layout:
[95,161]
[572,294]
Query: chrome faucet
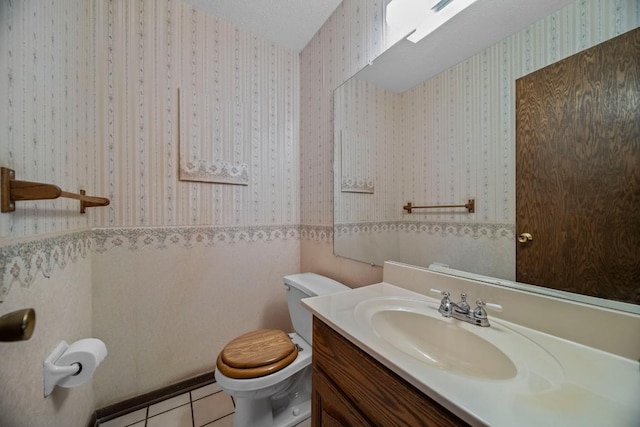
[462,310]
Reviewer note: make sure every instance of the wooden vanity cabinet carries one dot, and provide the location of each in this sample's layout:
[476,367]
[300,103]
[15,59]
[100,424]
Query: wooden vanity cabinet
[350,388]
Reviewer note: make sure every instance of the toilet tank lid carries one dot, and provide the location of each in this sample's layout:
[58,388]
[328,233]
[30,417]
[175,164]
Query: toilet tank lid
[314,284]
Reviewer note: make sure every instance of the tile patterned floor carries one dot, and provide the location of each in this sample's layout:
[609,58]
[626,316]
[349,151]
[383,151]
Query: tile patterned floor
[206,406]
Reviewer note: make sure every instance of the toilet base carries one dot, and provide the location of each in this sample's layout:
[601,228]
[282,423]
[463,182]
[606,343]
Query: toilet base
[256,412]
[286,408]
[261,413]
[294,415]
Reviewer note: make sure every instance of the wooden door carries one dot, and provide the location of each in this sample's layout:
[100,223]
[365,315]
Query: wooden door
[578,172]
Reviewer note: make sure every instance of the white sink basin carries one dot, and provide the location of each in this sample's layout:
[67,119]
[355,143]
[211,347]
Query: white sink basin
[504,375]
[415,328]
[444,344]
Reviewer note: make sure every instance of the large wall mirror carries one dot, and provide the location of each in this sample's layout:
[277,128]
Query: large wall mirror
[442,142]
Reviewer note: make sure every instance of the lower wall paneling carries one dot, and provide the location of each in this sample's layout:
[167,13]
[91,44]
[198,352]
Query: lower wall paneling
[62,301]
[166,310]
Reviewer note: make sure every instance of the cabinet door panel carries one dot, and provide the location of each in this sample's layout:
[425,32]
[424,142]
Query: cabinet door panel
[330,407]
[379,394]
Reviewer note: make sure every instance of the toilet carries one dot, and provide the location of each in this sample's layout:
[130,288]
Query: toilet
[268,372]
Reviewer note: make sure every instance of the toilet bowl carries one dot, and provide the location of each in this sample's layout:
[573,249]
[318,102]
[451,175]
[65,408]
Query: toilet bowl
[268,372]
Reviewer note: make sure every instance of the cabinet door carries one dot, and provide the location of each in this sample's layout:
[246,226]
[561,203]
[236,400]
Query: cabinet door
[371,391]
[330,407]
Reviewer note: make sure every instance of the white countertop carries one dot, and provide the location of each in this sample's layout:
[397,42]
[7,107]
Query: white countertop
[584,387]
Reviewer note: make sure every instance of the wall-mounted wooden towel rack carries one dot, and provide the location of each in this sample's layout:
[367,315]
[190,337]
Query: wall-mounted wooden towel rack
[14,190]
[470,205]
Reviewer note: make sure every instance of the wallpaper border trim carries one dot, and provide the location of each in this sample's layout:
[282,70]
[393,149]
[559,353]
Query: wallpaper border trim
[356,185]
[475,230]
[217,172]
[135,238]
[22,261]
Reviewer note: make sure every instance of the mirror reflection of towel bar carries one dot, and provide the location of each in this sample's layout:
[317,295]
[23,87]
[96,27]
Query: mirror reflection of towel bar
[470,206]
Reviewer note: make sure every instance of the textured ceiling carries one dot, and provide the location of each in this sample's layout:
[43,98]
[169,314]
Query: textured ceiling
[289,23]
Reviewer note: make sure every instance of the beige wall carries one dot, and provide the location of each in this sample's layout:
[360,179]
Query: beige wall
[317,256]
[166,313]
[47,130]
[63,312]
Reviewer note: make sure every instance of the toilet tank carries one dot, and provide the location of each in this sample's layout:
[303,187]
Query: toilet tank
[306,285]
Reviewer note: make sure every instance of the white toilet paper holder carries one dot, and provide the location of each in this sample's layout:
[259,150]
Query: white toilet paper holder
[53,373]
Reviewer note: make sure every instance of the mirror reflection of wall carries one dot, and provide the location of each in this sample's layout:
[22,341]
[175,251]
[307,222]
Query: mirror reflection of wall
[358,162]
[459,143]
[390,130]
[367,126]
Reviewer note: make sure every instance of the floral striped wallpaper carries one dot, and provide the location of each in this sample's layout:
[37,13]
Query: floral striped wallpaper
[92,92]
[101,113]
[350,39]
[47,111]
[368,127]
[240,98]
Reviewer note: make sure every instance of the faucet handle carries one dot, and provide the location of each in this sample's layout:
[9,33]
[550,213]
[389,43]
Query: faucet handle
[445,304]
[480,312]
[463,304]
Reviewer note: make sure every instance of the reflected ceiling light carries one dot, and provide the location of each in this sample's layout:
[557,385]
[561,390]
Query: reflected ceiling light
[406,14]
[425,16]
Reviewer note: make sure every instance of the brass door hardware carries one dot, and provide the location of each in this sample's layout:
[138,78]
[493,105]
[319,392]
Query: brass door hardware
[17,325]
[525,238]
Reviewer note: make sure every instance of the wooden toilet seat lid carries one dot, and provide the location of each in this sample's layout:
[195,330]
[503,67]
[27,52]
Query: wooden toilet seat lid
[257,353]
